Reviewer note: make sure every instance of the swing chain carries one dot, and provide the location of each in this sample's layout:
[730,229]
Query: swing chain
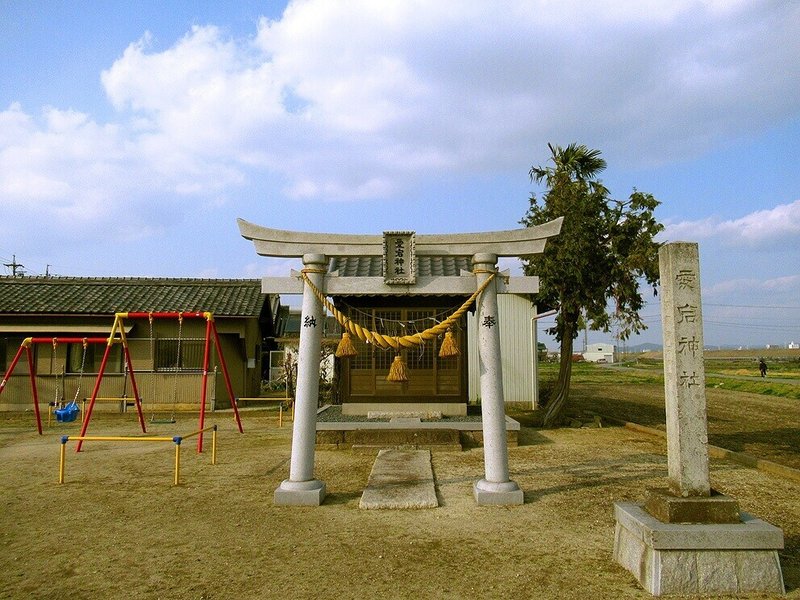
[153,359]
[57,398]
[80,376]
[177,364]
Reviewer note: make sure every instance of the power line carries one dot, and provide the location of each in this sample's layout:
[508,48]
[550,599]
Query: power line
[752,306]
[750,325]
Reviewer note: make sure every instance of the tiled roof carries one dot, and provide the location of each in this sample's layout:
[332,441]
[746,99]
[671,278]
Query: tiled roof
[84,295]
[372,266]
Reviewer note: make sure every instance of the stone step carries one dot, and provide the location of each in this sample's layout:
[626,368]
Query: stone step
[400,479]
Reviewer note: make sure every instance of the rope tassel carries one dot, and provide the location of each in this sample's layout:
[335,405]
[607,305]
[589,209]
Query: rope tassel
[345,347]
[398,371]
[449,346]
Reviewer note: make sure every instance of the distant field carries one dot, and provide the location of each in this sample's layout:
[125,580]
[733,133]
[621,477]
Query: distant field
[747,414]
[728,369]
[776,357]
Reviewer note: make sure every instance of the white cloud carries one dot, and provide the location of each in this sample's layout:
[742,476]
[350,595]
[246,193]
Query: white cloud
[339,96]
[788,286]
[763,228]
[362,100]
[781,223]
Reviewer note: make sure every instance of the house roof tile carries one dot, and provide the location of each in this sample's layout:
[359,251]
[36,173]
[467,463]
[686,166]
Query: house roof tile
[84,295]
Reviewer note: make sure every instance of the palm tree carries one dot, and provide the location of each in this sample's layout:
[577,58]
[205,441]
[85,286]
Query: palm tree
[570,181]
[604,247]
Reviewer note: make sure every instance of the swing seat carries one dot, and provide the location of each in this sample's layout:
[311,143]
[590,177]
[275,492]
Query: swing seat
[67,414]
[161,421]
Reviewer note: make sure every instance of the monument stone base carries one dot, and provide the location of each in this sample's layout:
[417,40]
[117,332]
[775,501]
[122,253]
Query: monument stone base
[698,558]
[299,493]
[488,493]
[668,507]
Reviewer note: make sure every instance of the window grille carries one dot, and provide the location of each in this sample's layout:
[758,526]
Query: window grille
[363,360]
[276,362]
[385,322]
[422,356]
[191,356]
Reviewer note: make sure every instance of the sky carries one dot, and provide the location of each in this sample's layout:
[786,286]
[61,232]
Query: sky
[133,134]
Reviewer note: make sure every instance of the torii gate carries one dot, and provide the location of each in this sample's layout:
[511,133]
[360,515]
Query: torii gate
[399,250]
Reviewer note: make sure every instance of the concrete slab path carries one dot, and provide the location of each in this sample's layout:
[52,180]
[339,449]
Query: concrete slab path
[400,479]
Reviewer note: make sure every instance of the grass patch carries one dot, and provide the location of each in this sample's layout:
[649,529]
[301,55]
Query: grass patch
[766,388]
[650,372]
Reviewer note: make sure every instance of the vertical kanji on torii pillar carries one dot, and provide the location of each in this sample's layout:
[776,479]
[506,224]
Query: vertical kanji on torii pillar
[495,487]
[302,488]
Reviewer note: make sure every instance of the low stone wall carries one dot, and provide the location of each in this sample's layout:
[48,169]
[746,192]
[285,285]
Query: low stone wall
[336,431]
[430,439]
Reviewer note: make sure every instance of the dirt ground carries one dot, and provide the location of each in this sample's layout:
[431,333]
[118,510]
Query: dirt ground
[118,528]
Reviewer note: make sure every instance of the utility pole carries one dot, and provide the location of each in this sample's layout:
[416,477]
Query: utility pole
[15,266]
[586,332]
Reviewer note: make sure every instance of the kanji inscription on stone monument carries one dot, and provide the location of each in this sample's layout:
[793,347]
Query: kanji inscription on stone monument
[684,372]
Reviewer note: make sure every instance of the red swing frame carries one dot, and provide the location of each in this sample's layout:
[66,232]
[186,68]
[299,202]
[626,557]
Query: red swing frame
[25,346]
[118,329]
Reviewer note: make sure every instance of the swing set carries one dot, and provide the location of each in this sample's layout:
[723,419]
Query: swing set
[64,413]
[117,336]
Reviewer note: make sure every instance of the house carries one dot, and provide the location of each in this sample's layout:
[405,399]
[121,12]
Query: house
[166,354]
[599,353]
[435,384]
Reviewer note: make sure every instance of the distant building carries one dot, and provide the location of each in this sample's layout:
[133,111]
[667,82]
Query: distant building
[599,353]
[793,346]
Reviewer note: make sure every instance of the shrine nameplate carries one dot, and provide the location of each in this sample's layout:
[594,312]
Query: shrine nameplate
[399,258]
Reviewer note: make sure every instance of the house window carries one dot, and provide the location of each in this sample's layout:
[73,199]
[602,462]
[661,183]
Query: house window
[90,362]
[190,358]
[276,363]
[3,354]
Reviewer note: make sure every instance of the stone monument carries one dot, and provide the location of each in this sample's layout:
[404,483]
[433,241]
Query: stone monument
[687,538]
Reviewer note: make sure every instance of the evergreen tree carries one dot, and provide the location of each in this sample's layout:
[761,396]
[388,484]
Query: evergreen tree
[592,270]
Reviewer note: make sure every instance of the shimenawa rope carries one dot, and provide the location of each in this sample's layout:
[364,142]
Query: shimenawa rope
[397,342]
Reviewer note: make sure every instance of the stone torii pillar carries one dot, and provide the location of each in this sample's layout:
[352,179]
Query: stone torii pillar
[495,487]
[302,488]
